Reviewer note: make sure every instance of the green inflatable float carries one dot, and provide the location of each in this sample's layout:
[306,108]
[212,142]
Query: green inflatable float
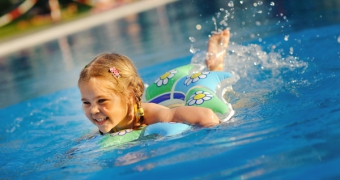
[189,86]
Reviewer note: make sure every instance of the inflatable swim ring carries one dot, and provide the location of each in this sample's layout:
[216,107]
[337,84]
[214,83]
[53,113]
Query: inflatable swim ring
[151,131]
[183,86]
[188,85]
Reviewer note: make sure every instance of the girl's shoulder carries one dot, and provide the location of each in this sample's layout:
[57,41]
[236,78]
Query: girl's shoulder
[152,106]
[154,113]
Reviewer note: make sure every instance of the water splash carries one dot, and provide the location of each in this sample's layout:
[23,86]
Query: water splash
[193,50]
[260,72]
[215,24]
[286,38]
[256,67]
[15,125]
[192,39]
[231,4]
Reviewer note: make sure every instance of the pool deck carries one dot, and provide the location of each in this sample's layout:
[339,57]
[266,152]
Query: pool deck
[64,29]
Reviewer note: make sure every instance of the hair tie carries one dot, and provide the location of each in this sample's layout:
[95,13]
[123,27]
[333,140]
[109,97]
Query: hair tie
[139,114]
[114,72]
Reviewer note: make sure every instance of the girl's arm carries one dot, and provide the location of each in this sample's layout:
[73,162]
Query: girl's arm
[185,114]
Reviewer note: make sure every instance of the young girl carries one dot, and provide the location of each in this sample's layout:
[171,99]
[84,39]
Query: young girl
[111,92]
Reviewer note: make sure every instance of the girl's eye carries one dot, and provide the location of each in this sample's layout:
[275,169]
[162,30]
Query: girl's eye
[101,100]
[86,103]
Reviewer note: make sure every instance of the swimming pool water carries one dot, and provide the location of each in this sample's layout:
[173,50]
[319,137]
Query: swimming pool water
[286,124]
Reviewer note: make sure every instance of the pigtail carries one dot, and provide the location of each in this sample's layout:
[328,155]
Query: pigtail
[138,90]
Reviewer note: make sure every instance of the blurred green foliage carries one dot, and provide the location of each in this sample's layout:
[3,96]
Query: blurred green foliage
[8,5]
[38,17]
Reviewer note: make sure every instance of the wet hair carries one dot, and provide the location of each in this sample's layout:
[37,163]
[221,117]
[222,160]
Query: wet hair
[129,79]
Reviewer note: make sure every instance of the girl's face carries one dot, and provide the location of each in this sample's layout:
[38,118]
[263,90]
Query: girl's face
[103,107]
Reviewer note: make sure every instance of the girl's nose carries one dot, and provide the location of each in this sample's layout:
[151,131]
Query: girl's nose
[94,109]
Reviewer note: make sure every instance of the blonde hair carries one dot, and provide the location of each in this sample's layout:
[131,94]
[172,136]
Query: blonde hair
[100,66]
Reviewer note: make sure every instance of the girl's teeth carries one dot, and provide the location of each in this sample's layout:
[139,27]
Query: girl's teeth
[100,120]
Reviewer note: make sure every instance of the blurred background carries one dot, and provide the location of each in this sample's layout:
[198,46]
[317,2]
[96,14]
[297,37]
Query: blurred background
[22,16]
[45,43]
[28,59]
[287,101]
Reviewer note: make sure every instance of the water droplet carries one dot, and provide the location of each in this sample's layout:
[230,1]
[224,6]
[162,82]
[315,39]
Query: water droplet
[291,50]
[259,2]
[218,14]
[272,3]
[224,23]
[241,2]
[231,4]
[226,15]
[221,9]
[198,27]
[11,130]
[214,20]
[260,12]
[286,38]
[192,49]
[192,39]
[255,4]
[258,23]
[339,39]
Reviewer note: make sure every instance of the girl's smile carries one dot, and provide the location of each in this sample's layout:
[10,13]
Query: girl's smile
[103,107]
[101,121]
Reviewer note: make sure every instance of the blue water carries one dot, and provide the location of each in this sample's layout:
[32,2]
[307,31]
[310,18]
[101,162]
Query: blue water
[286,124]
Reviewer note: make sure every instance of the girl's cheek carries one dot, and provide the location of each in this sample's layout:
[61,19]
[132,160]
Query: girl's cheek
[87,113]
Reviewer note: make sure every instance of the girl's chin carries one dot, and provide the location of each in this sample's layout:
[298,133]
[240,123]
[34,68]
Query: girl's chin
[105,129]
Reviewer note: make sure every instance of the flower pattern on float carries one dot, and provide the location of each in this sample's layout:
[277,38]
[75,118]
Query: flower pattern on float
[164,79]
[195,77]
[199,97]
[122,132]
